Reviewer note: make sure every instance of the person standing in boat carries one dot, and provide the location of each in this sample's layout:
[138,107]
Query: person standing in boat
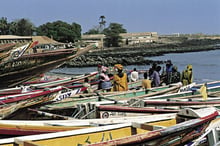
[104,82]
[134,75]
[168,72]
[155,77]
[175,75]
[152,69]
[120,79]
[146,82]
[187,75]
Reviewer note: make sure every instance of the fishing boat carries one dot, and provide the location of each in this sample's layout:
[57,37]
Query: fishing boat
[72,83]
[21,130]
[65,81]
[179,134]
[210,136]
[33,127]
[22,67]
[115,96]
[186,126]
[4,50]
[194,92]
[10,104]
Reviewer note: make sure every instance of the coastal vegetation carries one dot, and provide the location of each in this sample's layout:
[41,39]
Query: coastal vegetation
[58,30]
[62,31]
[112,52]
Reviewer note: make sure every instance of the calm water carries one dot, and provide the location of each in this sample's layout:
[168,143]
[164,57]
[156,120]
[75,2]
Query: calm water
[206,65]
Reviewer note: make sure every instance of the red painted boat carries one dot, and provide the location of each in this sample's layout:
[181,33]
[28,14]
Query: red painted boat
[6,47]
[27,66]
[10,104]
[179,134]
[30,95]
[180,103]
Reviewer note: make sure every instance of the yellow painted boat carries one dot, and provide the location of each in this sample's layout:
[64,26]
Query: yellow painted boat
[171,131]
[29,127]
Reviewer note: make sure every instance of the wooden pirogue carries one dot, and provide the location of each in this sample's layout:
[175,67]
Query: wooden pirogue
[9,104]
[33,127]
[16,70]
[115,96]
[58,82]
[188,125]
[179,134]
[212,87]
[69,82]
[211,135]
[4,50]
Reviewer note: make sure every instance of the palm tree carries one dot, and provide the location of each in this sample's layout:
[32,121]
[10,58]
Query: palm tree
[102,23]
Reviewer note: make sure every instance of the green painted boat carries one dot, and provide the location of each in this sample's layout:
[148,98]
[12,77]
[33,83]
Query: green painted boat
[193,92]
[112,96]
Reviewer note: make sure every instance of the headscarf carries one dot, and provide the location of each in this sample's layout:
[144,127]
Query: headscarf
[104,69]
[119,66]
[189,67]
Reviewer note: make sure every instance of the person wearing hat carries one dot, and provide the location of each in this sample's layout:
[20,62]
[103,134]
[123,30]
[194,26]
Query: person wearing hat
[187,75]
[120,79]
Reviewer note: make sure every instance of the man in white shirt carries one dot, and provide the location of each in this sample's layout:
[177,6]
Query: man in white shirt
[134,75]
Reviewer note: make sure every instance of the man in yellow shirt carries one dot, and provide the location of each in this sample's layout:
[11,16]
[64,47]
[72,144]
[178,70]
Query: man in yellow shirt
[146,82]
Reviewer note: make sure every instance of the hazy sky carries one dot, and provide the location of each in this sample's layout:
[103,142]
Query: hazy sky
[162,16]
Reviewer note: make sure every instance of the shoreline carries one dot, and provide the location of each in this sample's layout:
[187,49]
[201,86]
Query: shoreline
[136,55]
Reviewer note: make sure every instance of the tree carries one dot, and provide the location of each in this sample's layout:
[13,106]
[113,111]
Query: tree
[4,26]
[113,38]
[102,23]
[94,30]
[22,27]
[61,31]
[76,28]
[12,28]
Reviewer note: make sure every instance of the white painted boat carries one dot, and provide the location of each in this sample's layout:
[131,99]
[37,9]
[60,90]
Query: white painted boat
[125,133]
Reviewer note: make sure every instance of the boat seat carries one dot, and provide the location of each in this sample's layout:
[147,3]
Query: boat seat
[147,126]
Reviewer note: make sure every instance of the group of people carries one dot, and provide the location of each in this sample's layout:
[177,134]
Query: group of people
[119,80]
[152,77]
[170,75]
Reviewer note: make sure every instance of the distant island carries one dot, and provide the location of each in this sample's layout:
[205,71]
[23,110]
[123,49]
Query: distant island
[136,54]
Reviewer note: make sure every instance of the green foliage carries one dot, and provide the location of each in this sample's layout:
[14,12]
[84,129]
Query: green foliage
[4,27]
[93,31]
[21,27]
[24,27]
[60,31]
[113,38]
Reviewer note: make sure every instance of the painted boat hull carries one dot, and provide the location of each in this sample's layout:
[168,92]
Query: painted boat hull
[28,66]
[16,102]
[25,127]
[211,87]
[160,132]
[70,102]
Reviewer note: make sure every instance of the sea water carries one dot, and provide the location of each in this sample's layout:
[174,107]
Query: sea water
[206,65]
